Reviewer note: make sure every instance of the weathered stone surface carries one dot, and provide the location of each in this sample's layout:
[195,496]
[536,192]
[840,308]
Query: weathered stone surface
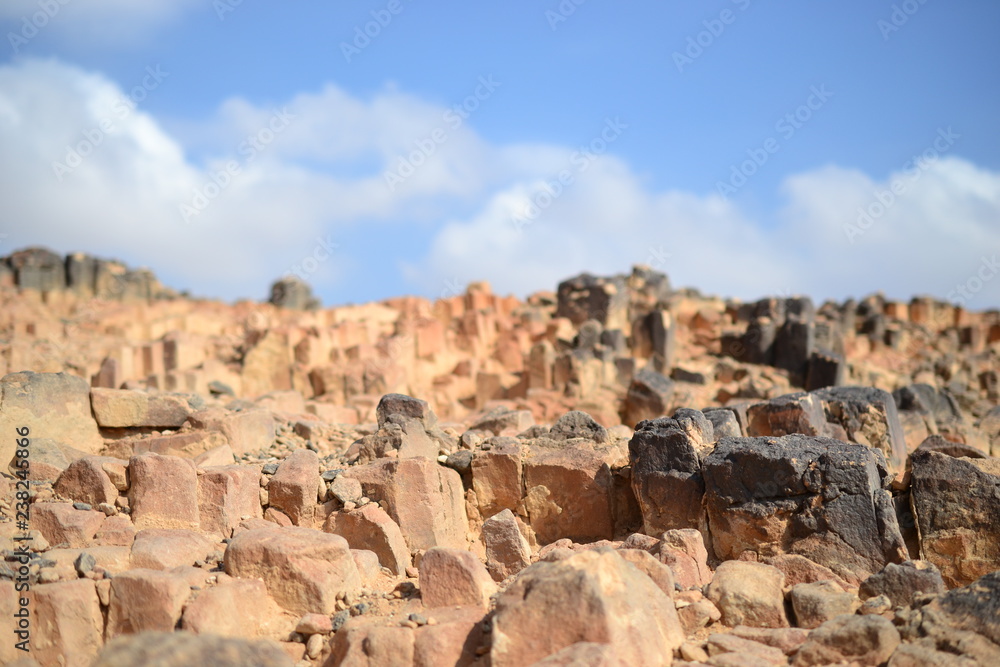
[303,569]
[903,583]
[453,577]
[453,640]
[568,493]
[818,602]
[422,497]
[793,413]
[361,643]
[369,527]
[683,550]
[53,406]
[666,475]
[818,497]
[648,397]
[577,424]
[800,570]
[159,549]
[749,594]
[211,612]
[246,430]
[163,492]
[61,523]
[68,627]
[183,649]
[124,408]
[226,495]
[502,421]
[868,416]
[86,481]
[860,640]
[292,489]
[147,600]
[957,506]
[594,596]
[507,551]
[497,478]
[659,574]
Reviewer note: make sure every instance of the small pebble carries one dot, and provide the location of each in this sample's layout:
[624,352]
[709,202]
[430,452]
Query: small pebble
[269,468]
[82,506]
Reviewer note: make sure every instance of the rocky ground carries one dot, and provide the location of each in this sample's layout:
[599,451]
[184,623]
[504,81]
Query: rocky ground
[614,473]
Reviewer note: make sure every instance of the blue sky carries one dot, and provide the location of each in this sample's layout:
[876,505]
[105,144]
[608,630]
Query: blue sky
[672,126]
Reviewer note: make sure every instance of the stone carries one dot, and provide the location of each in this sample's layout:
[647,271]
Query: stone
[85,480]
[163,492]
[60,523]
[507,551]
[659,574]
[568,493]
[818,602]
[721,644]
[818,497]
[649,396]
[115,531]
[683,550]
[361,643]
[749,594]
[292,489]
[591,654]
[697,615]
[53,406]
[594,596]
[211,612]
[453,639]
[182,649]
[956,502]
[800,570]
[68,626]
[144,599]
[304,569]
[902,583]
[314,624]
[785,415]
[577,424]
[788,640]
[868,416]
[666,476]
[453,577]
[226,494]
[369,527]
[294,293]
[125,408]
[860,640]
[425,499]
[724,423]
[498,478]
[346,489]
[248,430]
[165,549]
[502,421]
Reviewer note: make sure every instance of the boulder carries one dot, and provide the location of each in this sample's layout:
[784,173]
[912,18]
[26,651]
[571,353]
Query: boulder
[749,594]
[453,577]
[292,489]
[902,583]
[68,624]
[869,417]
[818,602]
[159,549]
[507,551]
[369,527]
[163,492]
[183,649]
[867,641]
[497,478]
[126,408]
[85,480]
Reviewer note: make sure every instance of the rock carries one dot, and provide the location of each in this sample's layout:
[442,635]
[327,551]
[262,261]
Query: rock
[124,408]
[860,640]
[85,480]
[453,577]
[304,569]
[294,293]
[423,498]
[54,406]
[182,649]
[817,603]
[452,640]
[917,655]
[697,615]
[211,612]
[800,570]
[683,550]
[666,476]
[721,644]
[246,431]
[903,583]
[68,624]
[749,594]
[144,599]
[346,489]
[369,527]
[868,416]
[957,506]
[159,549]
[594,596]
[818,497]
[360,643]
[568,494]
[314,624]
[788,640]
[725,424]
[497,478]
[226,494]
[501,421]
[786,415]
[60,523]
[84,563]
[507,551]
[591,654]
[292,489]
[115,531]
[163,492]
[576,424]
[659,574]
[649,396]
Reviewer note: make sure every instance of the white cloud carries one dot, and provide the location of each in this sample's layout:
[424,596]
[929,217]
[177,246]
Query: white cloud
[323,175]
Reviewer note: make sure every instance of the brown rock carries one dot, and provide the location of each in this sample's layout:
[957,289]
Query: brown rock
[369,527]
[507,552]
[816,603]
[594,596]
[86,481]
[660,574]
[683,550]
[497,478]
[68,624]
[163,492]
[861,640]
[227,494]
[453,577]
[749,594]
[293,487]
[800,570]
[787,639]
[581,653]
[124,408]
[60,523]
[189,444]
[165,549]
[147,600]
[211,612]
[303,569]
[247,431]
[903,583]
[453,640]
[183,649]
[360,643]
[115,531]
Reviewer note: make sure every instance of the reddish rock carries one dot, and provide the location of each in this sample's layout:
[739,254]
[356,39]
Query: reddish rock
[123,408]
[163,492]
[659,574]
[228,495]
[86,481]
[363,644]
[749,594]
[160,549]
[800,570]
[497,478]
[115,531]
[453,640]
[60,523]
[452,577]
[147,600]
[190,444]
[369,527]
[247,431]
[292,488]
[683,549]
[507,552]
[211,612]
[67,624]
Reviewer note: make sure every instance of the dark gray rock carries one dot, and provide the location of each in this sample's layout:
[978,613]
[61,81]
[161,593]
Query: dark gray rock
[39,269]
[648,397]
[826,369]
[868,416]
[903,582]
[725,424]
[577,424]
[294,293]
[587,297]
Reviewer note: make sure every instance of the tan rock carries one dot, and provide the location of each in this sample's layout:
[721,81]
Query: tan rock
[861,640]
[246,431]
[68,626]
[749,594]
[163,492]
[818,602]
[659,574]
[507,551]
[115,531]
[146,600]
[86,481]
[124,408]
[60,523]
[453,577]
[361,644]
[369,527]
[227,495]
[293,487]
[211,612]
[497,478]
[165,549]
[683,550]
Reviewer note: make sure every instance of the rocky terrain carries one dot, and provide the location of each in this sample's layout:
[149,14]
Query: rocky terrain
[614,473]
